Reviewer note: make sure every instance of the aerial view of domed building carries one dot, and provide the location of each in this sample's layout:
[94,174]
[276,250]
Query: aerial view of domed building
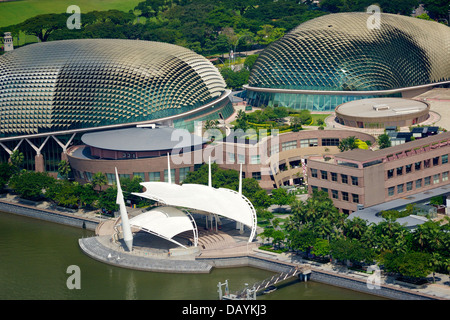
[53,92]
[341,57]
[72,84]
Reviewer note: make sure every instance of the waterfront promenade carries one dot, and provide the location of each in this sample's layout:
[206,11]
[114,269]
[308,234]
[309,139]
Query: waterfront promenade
[242,254]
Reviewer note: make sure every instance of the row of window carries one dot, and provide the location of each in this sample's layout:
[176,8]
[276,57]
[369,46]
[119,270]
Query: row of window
[405,187]
[419,165]
[340,195]
[152,176]
[305,143]
[344,178]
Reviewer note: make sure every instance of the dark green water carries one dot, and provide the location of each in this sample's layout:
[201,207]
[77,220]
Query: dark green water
[35,255]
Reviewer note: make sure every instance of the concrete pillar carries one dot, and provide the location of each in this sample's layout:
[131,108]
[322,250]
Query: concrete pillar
[39,165]
[64,156]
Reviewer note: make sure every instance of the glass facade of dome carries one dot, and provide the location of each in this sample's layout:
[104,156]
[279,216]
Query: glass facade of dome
[339,53]
[72,84]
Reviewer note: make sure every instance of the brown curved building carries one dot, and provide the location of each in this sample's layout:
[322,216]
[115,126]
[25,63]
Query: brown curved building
[382,112]
[274,161]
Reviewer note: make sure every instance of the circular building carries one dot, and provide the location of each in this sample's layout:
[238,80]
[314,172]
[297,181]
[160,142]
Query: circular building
[340,57]
[140,151]
[382,112]
[86,83]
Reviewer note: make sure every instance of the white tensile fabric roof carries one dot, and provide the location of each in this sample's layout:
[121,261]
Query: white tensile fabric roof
[224,202]
[165,222]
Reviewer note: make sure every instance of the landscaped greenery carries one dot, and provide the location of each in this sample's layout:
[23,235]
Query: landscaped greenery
[317,230]
[40,186]
[281,118]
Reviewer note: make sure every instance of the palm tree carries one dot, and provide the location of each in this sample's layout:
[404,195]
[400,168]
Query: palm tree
[64,169]
[17,159]
[99,179]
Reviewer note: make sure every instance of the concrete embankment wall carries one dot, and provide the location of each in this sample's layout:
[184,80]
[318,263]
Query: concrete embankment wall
[47,215]
[347,282]
[318,275]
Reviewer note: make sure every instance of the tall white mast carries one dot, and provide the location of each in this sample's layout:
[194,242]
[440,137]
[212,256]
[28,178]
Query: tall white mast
[126,228]
[169,173]
[209,173]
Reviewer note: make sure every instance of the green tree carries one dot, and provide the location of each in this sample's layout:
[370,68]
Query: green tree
[99,179]
[384,141]
[281,197]
[31,185]
[351,250]
[107,199]
[17,159]
[6,171]
[42,26]
[348,143]
[321,248]
[64,169]
[410,264]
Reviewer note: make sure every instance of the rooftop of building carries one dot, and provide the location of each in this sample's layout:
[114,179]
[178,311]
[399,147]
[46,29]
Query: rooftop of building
[142,139]
[361,155]
[381,107]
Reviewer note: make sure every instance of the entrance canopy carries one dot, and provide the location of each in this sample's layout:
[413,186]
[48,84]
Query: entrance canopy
[165,222]
[223,202]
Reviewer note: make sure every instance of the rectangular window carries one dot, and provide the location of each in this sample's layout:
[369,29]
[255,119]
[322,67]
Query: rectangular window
[399,171]
[325,190]
[255,160]
[335,194]
[256,175]
[344,196]
[324,175]
[126,176]
[354,181]
[408,168]
[305,143]
[400,188]
[241,158]
[418,183]
[274,149]
[88,176]
[288,145]
[139,174]
[427,181]
[391,191]
[231,157]
[355,198]
[445,176]
[183,173]
[314,173]
[344,178]
[330,142]
[390,173]
[417,165]
[409,186]
[435,178]
[426,163]
[444,158]
[111,178]
[154,176]
[333,176]
[172,175]
[435,161]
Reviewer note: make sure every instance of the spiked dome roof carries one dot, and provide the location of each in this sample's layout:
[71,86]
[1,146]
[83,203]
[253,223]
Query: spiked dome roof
[338,52]
[85,83]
